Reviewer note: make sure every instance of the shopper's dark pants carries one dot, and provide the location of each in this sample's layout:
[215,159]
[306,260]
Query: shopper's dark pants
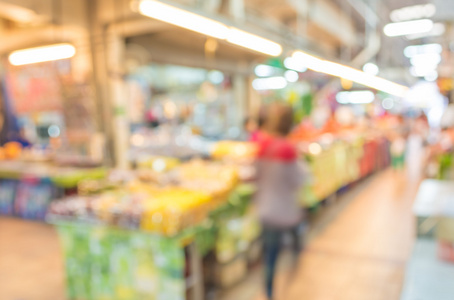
[272,237]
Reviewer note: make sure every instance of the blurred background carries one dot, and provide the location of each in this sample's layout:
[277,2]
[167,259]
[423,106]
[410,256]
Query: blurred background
[128,134]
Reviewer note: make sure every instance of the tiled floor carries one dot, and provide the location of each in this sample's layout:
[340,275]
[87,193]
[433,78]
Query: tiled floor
[360,255]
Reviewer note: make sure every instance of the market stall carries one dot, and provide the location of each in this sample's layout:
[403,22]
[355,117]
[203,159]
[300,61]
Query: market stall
[340,156]
[166,219]
[27,189]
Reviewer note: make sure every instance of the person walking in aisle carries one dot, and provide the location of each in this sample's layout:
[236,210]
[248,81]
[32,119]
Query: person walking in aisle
[279,177]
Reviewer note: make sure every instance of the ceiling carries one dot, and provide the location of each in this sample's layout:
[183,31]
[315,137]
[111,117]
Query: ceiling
[302,22]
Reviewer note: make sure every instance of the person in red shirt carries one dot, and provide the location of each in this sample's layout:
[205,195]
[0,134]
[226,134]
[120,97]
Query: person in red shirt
[279,177]
[254,126]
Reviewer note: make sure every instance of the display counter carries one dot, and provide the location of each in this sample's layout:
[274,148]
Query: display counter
[342,163]
[143,234]
[27,188]
[104,261]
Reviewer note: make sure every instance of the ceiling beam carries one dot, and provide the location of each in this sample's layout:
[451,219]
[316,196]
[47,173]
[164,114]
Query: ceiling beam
[328,17]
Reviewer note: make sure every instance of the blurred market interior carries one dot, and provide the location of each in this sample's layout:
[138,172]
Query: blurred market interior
[128,148]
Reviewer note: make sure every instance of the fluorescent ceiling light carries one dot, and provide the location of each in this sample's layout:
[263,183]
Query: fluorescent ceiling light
[409,27]
[421,71]
[272,83]
[348,73]
[264,71]
[430,59]
[437,30]
[411,51]
[432,76]
[291,76]
[41,54]
[307,60]
[253,42]
[413,12]
[182,18]
[194,22]
[371,69]
[355,97]
[293,64]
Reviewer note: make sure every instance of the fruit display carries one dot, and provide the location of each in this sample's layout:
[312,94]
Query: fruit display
[339,155]
[215,178]
[124,235]
[233,150]
[65,177]
[181,198]
[445,168]
[158,164]
[164,211]
[333,159]
[174,210]
[11,150]
[27,188]
[235,234]
[440,157]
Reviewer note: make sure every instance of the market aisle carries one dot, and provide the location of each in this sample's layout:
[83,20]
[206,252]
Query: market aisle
[362,254]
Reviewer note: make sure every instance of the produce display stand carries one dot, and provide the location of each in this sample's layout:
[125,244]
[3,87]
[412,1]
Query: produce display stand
[445,166]
[106,262]
[237,231]
[26,188]
[111,263]
[343,163]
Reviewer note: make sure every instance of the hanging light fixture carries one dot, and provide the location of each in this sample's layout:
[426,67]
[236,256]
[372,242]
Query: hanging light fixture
[42,54]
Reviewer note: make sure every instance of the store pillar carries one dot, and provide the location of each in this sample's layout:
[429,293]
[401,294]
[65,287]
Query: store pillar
[253,98]
[118,99]
[240,95]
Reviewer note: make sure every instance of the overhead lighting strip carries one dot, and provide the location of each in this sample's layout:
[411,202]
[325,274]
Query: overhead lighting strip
[422,26]
[194,22]
[182,18]
[348,73]
[42,54]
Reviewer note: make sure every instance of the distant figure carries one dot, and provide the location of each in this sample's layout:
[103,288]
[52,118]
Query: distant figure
[151,119]
[279,179]
[398,146]
[254,126]
[250,129]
